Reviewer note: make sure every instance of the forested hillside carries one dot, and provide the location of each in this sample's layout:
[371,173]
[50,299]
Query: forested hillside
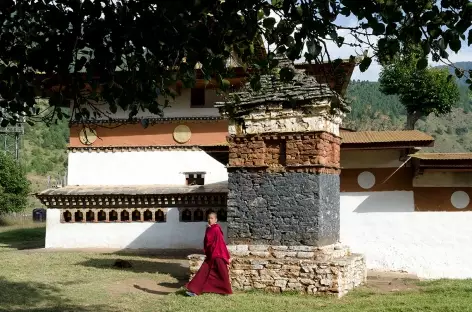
[372,110]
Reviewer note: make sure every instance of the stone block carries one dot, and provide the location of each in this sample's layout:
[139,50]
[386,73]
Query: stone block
[335,277]
[238,248]
[305,255]
[273,266]
[284,254]
[273,289]
[301,248]
[261,254]
[239,253]
[258,247]
[279,248]
[307,281]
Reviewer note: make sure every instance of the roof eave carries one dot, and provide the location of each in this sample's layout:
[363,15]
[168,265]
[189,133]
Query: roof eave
[386,145]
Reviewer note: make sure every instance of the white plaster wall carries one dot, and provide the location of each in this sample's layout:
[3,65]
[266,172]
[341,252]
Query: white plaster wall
[384,227]
[136,235]
[141,167]
[180,107]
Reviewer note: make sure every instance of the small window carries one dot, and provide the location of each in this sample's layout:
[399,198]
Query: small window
[124,215]
[221,215]
[147,215]
[90,216]
[79,216]
[197,178]
[102,216]
[136,216]
[113,216]
[67,216]
[197,97]
[186,216]
[198,215]
[160,217]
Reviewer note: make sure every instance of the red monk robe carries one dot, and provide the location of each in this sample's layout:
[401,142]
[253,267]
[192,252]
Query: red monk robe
[213,275]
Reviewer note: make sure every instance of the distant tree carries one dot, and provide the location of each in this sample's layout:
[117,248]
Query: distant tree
[422,90]
[14,186]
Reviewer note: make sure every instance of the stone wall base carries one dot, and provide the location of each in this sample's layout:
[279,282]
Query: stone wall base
[333,276]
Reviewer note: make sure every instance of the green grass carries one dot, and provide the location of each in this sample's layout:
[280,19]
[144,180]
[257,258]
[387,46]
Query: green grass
[43,280]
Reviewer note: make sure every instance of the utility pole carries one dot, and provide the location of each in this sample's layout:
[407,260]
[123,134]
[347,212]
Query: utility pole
[10,139]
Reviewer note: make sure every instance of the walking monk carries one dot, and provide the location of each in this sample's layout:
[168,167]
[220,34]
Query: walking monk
[213,275]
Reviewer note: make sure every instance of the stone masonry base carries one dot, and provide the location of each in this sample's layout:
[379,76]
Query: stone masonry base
[329,270]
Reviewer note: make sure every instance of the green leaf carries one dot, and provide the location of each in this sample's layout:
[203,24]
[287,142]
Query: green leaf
[426,47]
[225,84]
[422,63]
[266,11]
[469,38]
[365,63]
[269,23]
[260,15]
[459,73]
[455,45]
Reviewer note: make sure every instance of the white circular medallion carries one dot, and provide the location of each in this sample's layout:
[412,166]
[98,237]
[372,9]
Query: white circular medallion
[87,136]
[460,199]
[182,134]
[366,180]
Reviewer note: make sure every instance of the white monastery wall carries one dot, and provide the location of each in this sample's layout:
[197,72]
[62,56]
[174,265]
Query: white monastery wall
[180,107]
[172,234]
[385,228]
[142,167]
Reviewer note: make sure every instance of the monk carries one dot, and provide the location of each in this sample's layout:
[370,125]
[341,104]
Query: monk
[213,275]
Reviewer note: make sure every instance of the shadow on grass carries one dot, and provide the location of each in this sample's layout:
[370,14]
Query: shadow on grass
[36,297]
[22,238]
[174,269]
[175,289]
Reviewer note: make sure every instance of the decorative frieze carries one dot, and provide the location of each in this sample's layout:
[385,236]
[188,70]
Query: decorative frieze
[113,215]
[149,121]
[127,201]
[117,149]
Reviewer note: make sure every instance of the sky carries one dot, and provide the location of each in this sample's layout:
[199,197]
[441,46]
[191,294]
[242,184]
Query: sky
[372,74]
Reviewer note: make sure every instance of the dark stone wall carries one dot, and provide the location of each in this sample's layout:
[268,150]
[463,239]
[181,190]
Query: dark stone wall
[289,208]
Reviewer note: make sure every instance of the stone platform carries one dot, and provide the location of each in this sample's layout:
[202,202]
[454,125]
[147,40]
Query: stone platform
[332,269]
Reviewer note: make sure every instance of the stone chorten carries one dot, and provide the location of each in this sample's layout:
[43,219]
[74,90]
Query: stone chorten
[283,180]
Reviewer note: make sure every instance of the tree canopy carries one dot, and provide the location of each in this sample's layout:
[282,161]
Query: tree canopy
[14,186]
[134,51]
[421,91]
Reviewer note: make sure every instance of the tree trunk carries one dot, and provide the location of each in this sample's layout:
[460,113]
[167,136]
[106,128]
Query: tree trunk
[411,120]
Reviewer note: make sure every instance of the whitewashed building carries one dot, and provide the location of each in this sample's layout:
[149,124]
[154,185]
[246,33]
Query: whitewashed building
[136,187]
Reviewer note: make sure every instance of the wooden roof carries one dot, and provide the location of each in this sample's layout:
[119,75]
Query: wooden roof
[386,139]
[442,156]
[135,190]
[459,161]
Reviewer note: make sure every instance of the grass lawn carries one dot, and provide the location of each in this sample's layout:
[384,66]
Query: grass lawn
[40,280]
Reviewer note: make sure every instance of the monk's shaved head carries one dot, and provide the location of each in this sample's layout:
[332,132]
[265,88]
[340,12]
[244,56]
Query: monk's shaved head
[212,218]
